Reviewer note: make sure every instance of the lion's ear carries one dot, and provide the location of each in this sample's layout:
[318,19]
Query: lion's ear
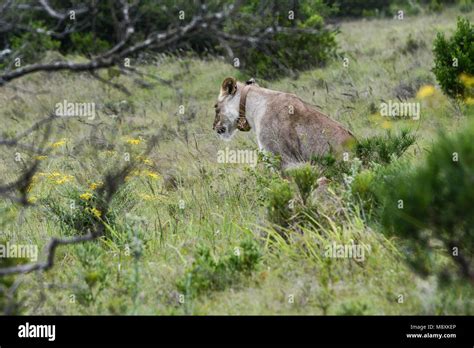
[229,86]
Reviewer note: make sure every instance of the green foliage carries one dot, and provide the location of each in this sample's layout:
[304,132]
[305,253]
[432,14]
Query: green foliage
[363,184]
[305,178]
[92,272]
[83,211]
[208,274]
[359,8]
[430,207]
[281,53]
[78,217]
[284,52]
[360,307]
[88,43]
[454,60]
[32,45]
[435,6]
[330,167]
[382,149]
[279,196]
[9,302]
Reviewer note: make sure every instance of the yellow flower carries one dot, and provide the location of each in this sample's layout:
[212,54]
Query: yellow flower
[425,91]
[469,101]
[96,212]
[86,196]
[152,175]
[32,199]
[467,80]
[40,158]
[133,141]
[95,185]
[148,162]
[63,179]
[59,143]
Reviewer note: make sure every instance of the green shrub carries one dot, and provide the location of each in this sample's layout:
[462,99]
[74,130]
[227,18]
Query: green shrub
[382,149]
[93,272]
[362,187]
[209,274]
[87,43]
[305,177]
[285,52]
[31,45]
[330,167]
[9,302]
[83,210]
[454,60]
[279,196]
[430,207]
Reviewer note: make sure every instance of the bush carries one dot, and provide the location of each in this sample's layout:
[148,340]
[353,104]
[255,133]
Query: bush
[284,52]
[9,305]
[32,46]
[330,167]
[83,211]
[430,207]
[454,61]
[208,274]
[278,201]
[305,179]
[382,149]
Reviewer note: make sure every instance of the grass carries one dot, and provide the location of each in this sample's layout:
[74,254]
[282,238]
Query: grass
[182,201]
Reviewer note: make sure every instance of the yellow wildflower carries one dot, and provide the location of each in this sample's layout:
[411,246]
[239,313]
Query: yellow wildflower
[467,80]
[32,199]
[96,212]
[95,185]
[152,175]
[86,196]
[133,141]
[425,91]
[63,179]
[40,158]
[59,143]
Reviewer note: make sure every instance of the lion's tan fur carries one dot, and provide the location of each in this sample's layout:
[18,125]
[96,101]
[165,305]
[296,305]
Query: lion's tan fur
[283,123]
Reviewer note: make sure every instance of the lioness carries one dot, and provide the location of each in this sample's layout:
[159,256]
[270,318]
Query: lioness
[284,124]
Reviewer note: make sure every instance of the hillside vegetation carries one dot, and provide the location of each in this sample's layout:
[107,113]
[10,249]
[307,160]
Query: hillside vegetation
[190,235]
